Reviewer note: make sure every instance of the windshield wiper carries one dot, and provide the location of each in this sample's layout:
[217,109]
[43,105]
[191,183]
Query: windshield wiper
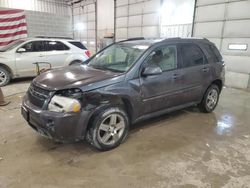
[105,68]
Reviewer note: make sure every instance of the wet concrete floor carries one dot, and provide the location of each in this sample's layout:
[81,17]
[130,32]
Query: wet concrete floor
[182,149]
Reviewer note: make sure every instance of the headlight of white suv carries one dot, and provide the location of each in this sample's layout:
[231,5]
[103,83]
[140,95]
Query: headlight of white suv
[64,104]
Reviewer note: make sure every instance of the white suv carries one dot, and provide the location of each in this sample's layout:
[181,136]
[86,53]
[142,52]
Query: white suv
[17,59]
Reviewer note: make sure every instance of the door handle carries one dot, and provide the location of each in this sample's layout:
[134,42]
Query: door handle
[205,69]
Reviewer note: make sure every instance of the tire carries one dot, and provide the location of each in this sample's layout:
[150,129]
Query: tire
[108,129]
[210,99]
[75,62]
[4,77]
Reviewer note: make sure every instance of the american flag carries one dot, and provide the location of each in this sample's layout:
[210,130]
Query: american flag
[12,26]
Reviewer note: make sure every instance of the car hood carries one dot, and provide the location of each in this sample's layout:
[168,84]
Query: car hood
[77,76]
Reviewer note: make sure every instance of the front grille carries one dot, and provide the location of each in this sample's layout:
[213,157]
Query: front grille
[37,95]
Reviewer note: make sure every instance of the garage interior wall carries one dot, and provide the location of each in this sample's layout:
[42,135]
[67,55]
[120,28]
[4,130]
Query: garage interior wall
[136,18]
[227,24]
[84,27]
[38,16]
[176,18]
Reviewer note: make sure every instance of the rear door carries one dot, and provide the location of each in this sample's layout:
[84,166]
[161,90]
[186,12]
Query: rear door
[57,53]
[162,91]
[195,72]
[28,54]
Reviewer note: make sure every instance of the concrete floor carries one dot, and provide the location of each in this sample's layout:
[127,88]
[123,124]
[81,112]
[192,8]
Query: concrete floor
[182,149]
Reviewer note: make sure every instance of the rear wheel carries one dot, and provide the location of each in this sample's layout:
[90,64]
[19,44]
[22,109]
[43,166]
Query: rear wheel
[109,129]
[210,99]
[4,77]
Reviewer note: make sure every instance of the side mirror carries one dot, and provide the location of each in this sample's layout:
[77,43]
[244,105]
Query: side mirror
[21,50]
[152,70]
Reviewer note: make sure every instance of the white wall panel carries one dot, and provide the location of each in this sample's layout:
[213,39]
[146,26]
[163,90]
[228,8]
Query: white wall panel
[237,28]
[122,2]
[134,32]
[122,11]
[208,29]
[150,32]
[215,12]
[122,22]
[238,64]
[135,21]
[121,33]
[135,9]
[209,2]
[239,10]
[225,43]
[151,19]
[151,6]
[237,80]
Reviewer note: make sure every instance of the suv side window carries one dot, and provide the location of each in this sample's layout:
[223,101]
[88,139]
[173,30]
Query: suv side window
[165,57]
[35,46]
[56,46]
[191,55]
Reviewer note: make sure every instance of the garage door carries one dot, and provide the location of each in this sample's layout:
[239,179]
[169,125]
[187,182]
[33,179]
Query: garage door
[84,22]
[136,18]
[227,24]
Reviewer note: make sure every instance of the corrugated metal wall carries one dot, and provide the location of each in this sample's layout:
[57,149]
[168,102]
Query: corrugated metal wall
[84,19]
[227,22]
[50,6]
[136,18]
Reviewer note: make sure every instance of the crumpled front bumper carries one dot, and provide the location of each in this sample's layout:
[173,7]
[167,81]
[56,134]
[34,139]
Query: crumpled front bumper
[62,127]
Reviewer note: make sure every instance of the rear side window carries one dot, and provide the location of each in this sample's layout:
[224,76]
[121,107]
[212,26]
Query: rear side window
[191,55]
[78,44]
[56,45]
[216,53]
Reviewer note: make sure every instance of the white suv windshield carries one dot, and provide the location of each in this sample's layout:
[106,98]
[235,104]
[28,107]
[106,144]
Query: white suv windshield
[11,46]
[118,57]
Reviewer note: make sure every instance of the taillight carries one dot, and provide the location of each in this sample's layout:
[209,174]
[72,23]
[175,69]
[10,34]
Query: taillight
[87,52]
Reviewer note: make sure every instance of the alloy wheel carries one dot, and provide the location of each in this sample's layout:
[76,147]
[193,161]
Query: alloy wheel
[212,98]
[111,129]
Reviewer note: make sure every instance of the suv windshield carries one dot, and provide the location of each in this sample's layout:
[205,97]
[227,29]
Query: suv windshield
[11,45]
[118,57]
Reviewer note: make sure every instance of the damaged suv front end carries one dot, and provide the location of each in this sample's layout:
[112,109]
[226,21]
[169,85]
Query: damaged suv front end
[62,114]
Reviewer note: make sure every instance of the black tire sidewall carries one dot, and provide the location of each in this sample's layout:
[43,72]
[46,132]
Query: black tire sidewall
[204,102]
[7,75]
[97,122]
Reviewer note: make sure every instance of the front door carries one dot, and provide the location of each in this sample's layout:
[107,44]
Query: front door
[28,54]
[163,90]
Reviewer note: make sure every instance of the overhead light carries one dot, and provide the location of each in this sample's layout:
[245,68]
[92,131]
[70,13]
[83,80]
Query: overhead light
[79,26]
[242,47]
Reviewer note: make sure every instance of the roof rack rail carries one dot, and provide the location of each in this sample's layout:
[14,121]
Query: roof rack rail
[173,38]
[131,39]
[54,37]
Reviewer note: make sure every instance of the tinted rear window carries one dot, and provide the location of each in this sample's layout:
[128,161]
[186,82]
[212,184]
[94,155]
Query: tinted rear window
[216,52]
[78,44]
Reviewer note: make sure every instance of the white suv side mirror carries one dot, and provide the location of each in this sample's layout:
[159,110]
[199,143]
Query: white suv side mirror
[21,50]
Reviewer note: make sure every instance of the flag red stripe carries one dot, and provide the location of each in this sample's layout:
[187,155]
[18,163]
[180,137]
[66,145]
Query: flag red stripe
[12,26]
[5,43]
[12,19]
[13,34]
[10,11]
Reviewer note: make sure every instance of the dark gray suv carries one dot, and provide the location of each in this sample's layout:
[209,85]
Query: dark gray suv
[126,82]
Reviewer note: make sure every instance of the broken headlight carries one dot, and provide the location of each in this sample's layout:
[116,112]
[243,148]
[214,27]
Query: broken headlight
[66,101]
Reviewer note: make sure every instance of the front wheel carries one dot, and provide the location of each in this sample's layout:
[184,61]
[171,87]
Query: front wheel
[109,129]
[210,99]
[4,77]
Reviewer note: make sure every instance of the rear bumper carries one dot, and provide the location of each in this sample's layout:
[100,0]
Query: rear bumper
[62,127]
